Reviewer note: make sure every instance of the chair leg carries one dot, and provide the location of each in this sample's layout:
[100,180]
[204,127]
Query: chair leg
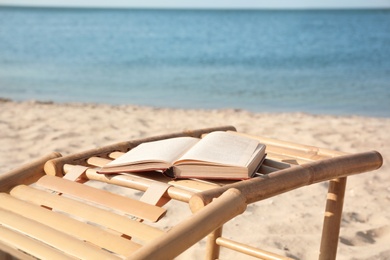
[332,219]
[212,249]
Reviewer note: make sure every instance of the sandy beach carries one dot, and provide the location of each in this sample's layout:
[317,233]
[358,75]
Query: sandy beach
[289,224]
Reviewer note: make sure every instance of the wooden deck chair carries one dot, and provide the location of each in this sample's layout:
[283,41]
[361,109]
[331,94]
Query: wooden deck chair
[287,166]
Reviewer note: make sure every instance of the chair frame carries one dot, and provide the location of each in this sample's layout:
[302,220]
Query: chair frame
[288,166]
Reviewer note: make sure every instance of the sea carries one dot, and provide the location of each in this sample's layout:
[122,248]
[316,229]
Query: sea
[313,61]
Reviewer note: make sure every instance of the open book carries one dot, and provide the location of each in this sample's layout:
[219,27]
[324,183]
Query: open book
[219,155]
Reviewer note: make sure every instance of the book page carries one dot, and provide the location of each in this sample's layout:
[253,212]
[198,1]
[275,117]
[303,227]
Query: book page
[222,148]
[167,150]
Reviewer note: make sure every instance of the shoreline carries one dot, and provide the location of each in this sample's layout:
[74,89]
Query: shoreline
[293,222]
[228,109]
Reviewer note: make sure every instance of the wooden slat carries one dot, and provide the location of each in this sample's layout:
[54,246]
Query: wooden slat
[137,182]
[195,185]
[323,152]
[115,155]
[98,161]
[9,252]
[277,142]
[264,169]
[276,164]
[311,155]
[52,237]
[286,159]
[21,243]
[90,213]
[77,173]
[155,195]
[68,225]
[102,197]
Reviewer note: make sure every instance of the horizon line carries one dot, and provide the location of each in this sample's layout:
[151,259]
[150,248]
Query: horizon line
[227,8]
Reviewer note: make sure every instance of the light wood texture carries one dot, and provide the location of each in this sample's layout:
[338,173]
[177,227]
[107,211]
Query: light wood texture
[285,180]
[77,172]
[55,167]
[98,161]
[332,219]
[301,149]
[185,234]
[115,155]
[248,250]
[68,225]
[137,182]
[39,231]
[102,197]
[154,195]
[87,212]
[212,248]
[19,243]
[286,159]
[194,185]
[287,166]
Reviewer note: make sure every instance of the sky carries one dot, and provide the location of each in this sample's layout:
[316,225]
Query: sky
[220,4]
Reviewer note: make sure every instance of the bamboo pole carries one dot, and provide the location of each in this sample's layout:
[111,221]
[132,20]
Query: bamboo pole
[55,167]
[90,213]
[9,251]
[249,250]
[212,248]
[25,174]
[135,182]
[288,179]
[293,148]
[332,219]
[187,233]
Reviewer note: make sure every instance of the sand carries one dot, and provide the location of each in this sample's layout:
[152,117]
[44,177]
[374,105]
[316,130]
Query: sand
[289,224]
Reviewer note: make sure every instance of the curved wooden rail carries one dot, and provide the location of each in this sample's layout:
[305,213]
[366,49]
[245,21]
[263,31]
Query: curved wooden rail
[275,183]
[25,174]
[55,166]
